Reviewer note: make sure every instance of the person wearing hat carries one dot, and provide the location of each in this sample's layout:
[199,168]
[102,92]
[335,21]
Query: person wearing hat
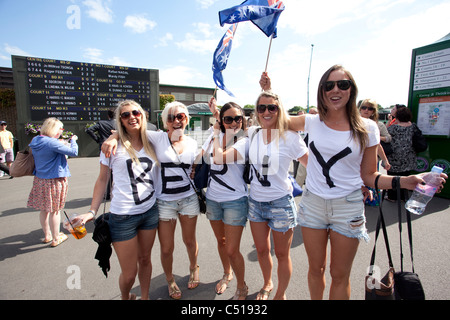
[7,142]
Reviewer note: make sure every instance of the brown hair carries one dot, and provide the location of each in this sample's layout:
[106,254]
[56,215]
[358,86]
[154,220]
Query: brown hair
[357,127]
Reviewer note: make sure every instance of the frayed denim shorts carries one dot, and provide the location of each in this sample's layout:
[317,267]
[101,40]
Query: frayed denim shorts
[169,210]
[343,215]
[233,213]
[280,214]
[125,227]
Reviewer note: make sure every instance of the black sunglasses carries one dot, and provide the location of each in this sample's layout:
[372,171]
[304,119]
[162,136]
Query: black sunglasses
[342,85]
[229,120]
[369,108]
[180,117]
[127,114]
[261,108]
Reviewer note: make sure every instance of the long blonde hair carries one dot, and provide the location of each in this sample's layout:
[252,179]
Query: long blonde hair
[357,127]
[124,137]
[283,118]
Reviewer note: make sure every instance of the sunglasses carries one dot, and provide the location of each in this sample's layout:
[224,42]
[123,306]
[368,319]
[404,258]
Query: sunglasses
[261,108]
[180,117]
[127,114]
[368,108]
[229,120]
[342,85]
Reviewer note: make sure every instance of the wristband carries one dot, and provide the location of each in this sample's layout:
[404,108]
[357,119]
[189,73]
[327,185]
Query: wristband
[396,182]
[93,213]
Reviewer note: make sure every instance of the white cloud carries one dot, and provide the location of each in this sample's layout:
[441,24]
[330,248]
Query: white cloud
[179,75]
[205,4]
[138,23]
[164,41]
[95,55]
[201,40]
[15,51]
[99,10]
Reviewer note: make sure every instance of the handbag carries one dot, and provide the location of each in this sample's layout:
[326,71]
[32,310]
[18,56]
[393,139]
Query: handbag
[419,142]
[387,148]
[247,168]
[407,284]
[376,288]
[297,190]
[23,165]
[201,175]
[102,236]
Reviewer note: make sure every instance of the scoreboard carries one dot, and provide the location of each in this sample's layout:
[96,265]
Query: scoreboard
[78,91]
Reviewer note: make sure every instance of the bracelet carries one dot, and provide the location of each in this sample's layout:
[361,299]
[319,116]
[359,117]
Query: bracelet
[396,182]
[376,181]
[93,213]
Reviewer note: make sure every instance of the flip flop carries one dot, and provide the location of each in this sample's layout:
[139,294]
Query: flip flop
[263,294]
[223,283]
[61,238]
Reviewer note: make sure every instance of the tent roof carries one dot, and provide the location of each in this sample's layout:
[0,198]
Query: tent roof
[199,108]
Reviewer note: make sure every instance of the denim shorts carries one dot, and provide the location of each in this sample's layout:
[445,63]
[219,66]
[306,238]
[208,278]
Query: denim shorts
[233,213]
[169,210]
[343,215]
[125,227]
[280,214]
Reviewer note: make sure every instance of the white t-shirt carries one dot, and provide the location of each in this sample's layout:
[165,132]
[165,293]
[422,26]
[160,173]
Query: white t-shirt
[174,182]
[225,182]
[270,180]
[134,186]
[334,163]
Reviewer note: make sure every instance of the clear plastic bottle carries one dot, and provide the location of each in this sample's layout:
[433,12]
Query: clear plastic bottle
[422,194]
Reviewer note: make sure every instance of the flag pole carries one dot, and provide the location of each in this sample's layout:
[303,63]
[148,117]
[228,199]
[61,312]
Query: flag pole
[268,53]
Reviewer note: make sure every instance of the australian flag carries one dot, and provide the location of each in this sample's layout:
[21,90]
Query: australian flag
[263,13]
[221,56]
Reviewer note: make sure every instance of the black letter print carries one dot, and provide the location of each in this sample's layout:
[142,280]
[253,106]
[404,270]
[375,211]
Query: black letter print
[165,179]
[326,166]
[215,173]
[141,179]
[263,180]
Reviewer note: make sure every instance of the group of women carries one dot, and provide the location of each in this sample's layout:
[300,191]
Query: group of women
[153,188]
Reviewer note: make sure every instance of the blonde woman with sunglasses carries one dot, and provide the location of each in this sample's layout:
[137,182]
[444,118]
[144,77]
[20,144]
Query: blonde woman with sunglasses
[177,199]
[343,158]
[134,212]
[272,208]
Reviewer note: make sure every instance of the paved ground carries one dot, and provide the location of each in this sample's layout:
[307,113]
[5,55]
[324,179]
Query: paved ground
[30,270]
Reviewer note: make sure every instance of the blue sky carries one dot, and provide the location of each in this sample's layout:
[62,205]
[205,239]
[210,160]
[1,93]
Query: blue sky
[374,39]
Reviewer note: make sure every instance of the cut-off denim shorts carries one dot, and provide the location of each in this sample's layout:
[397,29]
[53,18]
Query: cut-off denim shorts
[343,215]
[169,210]
[280,214]
[233,213]
[125,227]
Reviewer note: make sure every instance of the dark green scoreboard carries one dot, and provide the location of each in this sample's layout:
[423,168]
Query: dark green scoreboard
[78,93]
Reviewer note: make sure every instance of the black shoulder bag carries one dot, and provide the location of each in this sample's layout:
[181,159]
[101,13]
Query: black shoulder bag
[380,289]
[407,284]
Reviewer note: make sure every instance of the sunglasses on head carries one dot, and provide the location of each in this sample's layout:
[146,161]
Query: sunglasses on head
[180,117]
[127,114]
[342,85]
[367,108]
[229,120]
[261,108]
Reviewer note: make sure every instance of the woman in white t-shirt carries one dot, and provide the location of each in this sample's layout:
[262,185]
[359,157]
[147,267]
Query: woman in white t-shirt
[342,159]
[177,199]
[226,195]
[271,204]
[134,213]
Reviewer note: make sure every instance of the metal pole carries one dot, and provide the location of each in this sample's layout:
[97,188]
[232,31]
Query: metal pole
[309,76]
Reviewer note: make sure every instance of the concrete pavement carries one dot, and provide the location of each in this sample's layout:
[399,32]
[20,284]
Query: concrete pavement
[30,270]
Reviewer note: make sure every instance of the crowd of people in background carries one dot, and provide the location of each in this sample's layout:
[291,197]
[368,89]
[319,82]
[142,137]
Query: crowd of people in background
[153,189]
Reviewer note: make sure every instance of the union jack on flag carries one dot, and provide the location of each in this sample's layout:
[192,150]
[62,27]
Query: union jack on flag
[221,56]
[263,13]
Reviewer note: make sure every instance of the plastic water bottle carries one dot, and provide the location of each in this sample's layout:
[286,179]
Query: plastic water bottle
[422,194]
